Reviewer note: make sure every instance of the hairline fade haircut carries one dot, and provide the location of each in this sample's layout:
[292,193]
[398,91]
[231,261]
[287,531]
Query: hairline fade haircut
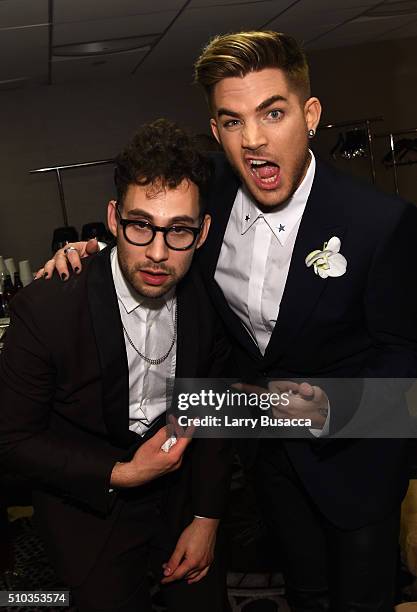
[162,155]
[239,53]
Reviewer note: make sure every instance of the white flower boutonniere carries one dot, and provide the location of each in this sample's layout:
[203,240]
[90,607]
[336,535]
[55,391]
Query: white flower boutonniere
[328,262]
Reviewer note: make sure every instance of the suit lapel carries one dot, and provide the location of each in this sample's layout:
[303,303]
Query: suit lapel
[187,331]
[108,332]
[222,196]
[322,219]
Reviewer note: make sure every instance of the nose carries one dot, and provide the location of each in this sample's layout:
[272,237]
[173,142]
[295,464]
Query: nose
[253,136]
[157,250]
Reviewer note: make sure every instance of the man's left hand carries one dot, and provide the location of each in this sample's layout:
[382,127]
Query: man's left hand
[304,400]
[193,553]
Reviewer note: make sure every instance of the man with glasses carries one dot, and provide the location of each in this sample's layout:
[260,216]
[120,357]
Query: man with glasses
[313,274]
[116,494]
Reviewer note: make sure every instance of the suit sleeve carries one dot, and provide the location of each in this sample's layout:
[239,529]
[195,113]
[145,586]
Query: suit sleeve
[29,446]
[212,457]
[390,308]
[391,301]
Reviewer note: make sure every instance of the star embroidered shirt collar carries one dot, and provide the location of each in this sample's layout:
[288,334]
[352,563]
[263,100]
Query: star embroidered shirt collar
[129,298]
[283,220]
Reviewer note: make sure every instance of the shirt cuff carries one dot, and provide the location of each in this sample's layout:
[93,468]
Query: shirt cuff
[324,431]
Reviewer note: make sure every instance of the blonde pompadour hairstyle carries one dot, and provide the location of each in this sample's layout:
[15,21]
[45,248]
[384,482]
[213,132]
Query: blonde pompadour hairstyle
[237,54]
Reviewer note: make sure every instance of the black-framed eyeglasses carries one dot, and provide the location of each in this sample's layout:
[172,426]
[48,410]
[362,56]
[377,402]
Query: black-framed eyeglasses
[141,233]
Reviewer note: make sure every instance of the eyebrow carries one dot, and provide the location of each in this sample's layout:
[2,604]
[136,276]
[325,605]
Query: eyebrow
[262,106]
[138,212]
[183,219]
[226,111]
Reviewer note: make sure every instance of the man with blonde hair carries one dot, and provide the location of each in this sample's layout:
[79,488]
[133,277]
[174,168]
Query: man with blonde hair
[333,505]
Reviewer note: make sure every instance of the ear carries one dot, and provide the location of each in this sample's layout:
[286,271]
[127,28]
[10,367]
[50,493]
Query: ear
[204,231]
[312,113]
[111,217]
[215,130]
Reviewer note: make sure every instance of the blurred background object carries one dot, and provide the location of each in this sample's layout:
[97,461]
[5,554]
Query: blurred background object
[63,235]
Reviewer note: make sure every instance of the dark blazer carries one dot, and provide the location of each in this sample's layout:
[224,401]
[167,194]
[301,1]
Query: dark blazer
[64,417]
[362,324]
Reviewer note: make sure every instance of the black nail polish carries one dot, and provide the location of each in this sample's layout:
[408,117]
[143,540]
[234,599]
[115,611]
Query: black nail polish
[63,276]
[76,269]
[45,275]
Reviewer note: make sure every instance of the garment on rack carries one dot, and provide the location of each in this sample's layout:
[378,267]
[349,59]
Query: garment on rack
[405,152]
[351,145]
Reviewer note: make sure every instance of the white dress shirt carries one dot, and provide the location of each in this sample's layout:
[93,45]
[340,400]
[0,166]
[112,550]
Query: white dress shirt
[256,246]
[150,325]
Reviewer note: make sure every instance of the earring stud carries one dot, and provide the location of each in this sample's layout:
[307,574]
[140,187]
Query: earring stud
[311,133]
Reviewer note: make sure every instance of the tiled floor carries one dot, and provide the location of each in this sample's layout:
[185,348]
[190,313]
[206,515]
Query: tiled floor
[257,592]
[253,592]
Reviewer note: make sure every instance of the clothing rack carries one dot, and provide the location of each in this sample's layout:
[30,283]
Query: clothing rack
[58,169]
[392,137]
[365,123]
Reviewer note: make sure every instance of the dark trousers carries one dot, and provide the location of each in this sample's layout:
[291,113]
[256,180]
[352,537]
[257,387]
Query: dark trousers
[140,541]
[6,549]
[325,568]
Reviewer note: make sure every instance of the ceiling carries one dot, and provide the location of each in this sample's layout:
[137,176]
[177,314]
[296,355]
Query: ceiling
[45,42]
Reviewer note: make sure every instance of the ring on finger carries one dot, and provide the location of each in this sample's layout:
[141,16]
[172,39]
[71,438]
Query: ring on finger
[70,248]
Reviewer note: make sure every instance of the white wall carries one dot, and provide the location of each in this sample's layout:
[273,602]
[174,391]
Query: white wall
[55,125]
[86,121]
[367,81]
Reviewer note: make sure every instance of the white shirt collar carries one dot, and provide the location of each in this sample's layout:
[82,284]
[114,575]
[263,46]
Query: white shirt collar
[130,298]
[283,220]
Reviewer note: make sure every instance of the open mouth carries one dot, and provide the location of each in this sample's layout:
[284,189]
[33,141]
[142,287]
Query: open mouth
[265,173]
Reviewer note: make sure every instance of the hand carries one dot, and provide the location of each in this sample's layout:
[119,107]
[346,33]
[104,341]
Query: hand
[194,552]
[305,401]
[149,461]
[61,259]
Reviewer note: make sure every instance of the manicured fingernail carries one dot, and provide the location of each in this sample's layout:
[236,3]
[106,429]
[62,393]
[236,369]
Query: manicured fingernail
[45,275]
[76,270]
[63,276]
[167,571]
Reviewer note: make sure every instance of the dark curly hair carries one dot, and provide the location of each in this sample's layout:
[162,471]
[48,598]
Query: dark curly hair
[162,155]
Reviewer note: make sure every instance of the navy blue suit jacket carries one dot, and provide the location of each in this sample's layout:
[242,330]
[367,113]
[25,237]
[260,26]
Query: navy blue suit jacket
[360,325]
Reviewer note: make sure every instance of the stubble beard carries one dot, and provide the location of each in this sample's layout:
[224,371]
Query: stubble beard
[300,170]
[151,292]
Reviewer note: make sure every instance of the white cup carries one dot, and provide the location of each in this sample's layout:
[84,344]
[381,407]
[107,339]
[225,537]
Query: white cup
[11,267]
[25,272]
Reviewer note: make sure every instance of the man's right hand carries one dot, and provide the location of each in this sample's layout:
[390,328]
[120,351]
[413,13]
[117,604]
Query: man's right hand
[149,461]
[68,257]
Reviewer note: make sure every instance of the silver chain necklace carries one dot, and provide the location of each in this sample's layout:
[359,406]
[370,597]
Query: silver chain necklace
[160,359]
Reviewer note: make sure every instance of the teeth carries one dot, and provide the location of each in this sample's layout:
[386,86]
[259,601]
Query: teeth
[257,162]
[270,179]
